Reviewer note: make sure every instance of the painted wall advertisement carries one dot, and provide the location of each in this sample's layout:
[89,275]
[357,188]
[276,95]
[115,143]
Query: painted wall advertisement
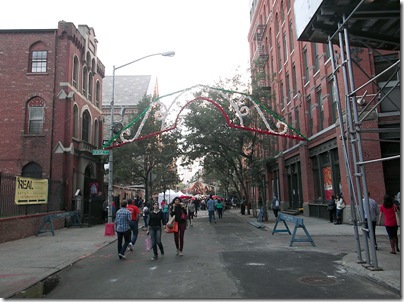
[327,183]
[30,190]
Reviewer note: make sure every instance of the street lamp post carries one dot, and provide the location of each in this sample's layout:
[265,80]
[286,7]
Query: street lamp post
[111,157]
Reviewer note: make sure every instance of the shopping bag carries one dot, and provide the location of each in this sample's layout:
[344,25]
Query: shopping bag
[170,222]
[173,229]
[148,244]
[184,216]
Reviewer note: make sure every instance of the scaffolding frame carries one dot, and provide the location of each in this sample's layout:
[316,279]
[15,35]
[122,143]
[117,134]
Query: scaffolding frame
[350,127]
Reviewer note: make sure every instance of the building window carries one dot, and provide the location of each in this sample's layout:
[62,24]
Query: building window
[305,65]
[297,117]
[36,112]
[288,92]
[38,60]
[327,51]
[85,80]
[294,79]
[96,134]
[85,130]
[332,100]
[276,24]
[320,109]
[315,58]
[76,66]
[90,87]
[282,96]
[285,47]
[97,94]
[291,40]
[282,12]
[279,57]
[32,170]
[310,115]
[75,122]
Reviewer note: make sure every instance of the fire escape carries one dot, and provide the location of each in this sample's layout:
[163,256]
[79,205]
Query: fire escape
[261,56]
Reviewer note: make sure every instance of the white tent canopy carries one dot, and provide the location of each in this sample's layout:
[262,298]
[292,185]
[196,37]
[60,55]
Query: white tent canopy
[169,195]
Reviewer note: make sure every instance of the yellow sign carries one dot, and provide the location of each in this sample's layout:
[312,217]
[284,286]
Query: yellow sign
[30,190]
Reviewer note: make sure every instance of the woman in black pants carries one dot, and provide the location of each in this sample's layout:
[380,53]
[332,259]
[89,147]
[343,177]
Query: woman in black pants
[178,210]
[156,220]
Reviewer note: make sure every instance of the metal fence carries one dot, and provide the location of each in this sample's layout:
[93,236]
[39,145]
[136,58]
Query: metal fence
[8,207]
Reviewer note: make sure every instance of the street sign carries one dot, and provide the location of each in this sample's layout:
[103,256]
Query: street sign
[100,152]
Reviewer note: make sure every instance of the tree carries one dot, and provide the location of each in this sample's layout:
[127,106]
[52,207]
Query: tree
[229,155]
[149,161]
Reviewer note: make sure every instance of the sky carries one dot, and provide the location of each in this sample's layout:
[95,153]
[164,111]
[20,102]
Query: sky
[209,37]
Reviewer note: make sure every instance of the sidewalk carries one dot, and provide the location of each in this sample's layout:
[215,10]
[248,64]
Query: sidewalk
[26,262]
[390,274]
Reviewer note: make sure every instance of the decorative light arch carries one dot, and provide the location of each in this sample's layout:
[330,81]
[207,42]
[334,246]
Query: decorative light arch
[172,105]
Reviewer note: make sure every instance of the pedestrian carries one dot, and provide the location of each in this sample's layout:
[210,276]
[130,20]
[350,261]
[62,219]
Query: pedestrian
[179,211]
[340,205]
[166,211]
[134,223]
[219,209]
[242,206]
[331,206]
[275,205]
[122,228]
[388,209]
[374,214]
[211,204]
[145,214]
[191,211]
[105,209]
[154,229]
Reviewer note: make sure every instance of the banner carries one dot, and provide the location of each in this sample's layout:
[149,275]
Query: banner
[30,190]
[328,191]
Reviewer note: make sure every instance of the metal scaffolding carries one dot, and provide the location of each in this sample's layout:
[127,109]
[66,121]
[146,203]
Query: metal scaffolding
[374,25]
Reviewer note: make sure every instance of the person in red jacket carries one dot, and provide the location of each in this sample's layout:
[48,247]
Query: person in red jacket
[134,223]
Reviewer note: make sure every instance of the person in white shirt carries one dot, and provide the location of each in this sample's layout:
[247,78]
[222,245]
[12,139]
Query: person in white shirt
[374,214]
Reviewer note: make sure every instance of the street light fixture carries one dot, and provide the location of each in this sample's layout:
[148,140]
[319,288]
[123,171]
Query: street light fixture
[111,158]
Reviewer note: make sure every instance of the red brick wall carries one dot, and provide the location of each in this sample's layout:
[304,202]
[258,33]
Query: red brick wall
[20,227]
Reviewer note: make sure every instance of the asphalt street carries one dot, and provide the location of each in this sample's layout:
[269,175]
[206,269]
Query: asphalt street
[228,260]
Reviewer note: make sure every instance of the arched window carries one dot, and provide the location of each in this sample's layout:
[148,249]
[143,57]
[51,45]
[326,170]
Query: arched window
[90,87]
[277,23]
[35,114]
[85,129]
[97,94]
[32,170]
[38,58]
[75,121]
[76,68]
[96,133]
[85,79]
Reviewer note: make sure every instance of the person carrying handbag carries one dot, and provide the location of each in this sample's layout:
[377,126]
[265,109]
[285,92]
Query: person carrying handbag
[178,210]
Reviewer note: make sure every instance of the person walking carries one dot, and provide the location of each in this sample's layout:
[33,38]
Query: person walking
[340,208]
[179,211]
[331,208]
[219,209]
[191,211]
[122,228]
[154,229]
[275,205]
[211,209]
[388,209]
[374,214]
[166,211]
[134,223]
[145,214]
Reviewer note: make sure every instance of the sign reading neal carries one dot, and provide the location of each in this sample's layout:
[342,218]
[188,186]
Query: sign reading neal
[30,190]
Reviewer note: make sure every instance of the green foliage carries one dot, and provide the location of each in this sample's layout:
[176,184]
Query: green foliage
[228,154]
[149,161]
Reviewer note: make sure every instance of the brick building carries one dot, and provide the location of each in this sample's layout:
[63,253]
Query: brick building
[307,91]
[51,113]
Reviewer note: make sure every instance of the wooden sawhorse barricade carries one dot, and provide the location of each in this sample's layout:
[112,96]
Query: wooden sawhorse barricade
[47,222]
[298,224]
